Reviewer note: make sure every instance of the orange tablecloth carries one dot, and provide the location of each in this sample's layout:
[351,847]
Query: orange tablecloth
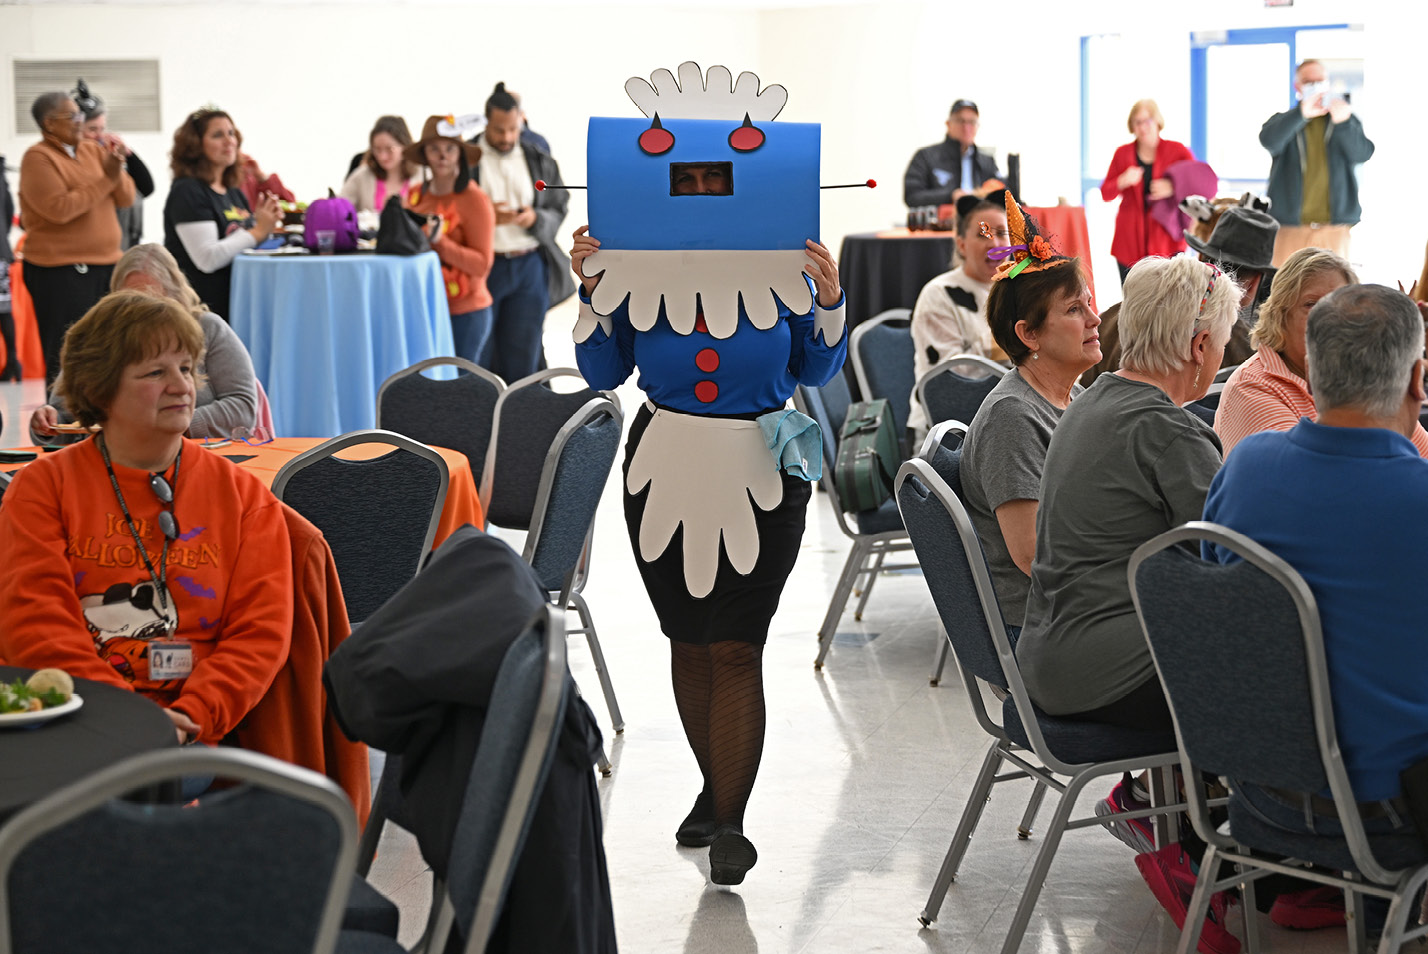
[463,503]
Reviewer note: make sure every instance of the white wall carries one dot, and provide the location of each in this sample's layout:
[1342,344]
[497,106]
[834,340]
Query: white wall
[878,76]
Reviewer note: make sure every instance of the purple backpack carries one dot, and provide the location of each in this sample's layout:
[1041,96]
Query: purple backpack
[333,214]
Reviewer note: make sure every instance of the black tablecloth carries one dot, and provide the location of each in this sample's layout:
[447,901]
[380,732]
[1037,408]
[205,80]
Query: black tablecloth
[112,725]
[882,273]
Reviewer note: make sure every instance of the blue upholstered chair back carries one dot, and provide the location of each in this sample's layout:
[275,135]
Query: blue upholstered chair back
[378,515]
[572,482]
[883,361]
[455,413]
[942,548]
[512,764]
[529,415]
[1230,649]
[951,396]
[270,860]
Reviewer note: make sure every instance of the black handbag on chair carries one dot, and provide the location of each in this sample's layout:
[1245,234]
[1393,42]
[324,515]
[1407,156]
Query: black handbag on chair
[399,231]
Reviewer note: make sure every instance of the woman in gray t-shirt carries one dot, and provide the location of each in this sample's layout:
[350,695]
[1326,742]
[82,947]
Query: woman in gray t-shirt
[1125,463]
[1045,323]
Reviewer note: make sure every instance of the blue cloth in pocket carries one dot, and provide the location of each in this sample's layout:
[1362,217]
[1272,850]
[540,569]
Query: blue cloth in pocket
[795,441]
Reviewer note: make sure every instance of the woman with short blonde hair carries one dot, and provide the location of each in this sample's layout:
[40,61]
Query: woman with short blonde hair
[1270,391]
[227,396]
[1175,300]
[1299,270]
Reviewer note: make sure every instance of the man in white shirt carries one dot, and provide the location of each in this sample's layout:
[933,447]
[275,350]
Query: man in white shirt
[529,272]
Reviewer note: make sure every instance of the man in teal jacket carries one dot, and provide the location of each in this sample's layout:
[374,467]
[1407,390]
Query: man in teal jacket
[1313,178]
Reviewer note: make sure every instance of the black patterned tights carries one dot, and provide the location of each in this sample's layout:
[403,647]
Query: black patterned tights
[719,690]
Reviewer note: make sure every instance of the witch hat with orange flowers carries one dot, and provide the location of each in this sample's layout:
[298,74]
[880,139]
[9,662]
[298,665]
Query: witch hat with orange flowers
[1029,250]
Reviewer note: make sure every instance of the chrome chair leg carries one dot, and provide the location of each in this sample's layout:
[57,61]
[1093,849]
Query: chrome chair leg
[601,670]
[856,556]
[868,585]
[976,804]
[944,645]
[1042,865]
[1028,820]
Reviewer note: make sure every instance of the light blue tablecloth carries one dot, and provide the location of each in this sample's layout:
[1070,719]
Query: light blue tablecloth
[326,330]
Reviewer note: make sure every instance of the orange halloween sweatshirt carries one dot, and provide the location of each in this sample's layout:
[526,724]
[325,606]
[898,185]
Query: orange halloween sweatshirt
[75,593]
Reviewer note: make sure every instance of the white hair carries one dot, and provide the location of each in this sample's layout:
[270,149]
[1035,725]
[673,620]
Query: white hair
[1168,301]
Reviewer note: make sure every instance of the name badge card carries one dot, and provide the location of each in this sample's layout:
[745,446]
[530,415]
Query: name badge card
[170,659]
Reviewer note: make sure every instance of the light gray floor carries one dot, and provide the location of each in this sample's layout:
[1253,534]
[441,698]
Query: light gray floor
[865,773]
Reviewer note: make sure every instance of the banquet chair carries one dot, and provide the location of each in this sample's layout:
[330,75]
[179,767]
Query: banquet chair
[513,758]
[529,417]
[942,449]
[881,349]
[83,870]
[456,414]
[1206,406]
[1261,614]
[1061,755]
[562,528]
[949,393]
[874,533]
[378,515]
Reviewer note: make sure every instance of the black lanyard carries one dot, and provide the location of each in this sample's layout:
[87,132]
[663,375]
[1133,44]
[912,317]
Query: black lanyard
[159,580]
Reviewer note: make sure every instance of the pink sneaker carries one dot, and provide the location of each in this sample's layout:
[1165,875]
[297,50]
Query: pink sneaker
[1170,878]
[1137,833]
[1308,910]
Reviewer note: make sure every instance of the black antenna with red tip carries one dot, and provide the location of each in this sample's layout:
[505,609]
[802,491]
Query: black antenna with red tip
[870,184]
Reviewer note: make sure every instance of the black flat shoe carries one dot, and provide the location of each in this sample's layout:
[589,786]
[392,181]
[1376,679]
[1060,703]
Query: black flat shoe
[12,372]
[697,829]
[730,856]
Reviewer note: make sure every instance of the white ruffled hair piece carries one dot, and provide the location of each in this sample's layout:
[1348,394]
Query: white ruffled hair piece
[692,97]
[682,280]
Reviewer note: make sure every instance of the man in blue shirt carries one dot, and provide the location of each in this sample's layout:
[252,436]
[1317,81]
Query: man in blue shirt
[1344,500]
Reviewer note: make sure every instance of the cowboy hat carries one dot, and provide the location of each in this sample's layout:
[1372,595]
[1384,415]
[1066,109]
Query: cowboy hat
[436,128]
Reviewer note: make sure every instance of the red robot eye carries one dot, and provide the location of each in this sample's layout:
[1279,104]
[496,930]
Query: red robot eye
[747,137]
[656,140]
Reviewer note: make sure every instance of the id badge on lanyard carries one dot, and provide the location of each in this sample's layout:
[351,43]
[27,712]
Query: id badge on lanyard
[170,659]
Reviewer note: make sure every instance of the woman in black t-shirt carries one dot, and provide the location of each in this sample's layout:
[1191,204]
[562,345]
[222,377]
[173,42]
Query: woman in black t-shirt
[207,221]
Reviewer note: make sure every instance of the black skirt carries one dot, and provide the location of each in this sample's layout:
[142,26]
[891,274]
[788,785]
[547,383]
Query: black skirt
[740,606]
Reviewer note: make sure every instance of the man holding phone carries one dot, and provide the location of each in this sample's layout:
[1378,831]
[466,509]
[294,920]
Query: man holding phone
[1313,178]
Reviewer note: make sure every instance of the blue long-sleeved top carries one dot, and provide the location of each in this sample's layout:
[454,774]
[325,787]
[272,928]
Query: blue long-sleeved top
[750,371]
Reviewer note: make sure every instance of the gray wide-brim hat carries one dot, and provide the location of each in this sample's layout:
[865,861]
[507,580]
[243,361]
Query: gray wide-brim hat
[1242,237]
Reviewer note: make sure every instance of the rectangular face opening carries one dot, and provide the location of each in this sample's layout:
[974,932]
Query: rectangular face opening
[701,178]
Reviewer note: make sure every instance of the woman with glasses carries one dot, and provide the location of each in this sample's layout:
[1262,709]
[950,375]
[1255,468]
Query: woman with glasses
[137,558]
[227,401]
[950,316]
[70,192]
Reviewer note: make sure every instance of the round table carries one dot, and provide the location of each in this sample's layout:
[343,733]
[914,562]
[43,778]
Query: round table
[112,725]
[882,270]
[326,330]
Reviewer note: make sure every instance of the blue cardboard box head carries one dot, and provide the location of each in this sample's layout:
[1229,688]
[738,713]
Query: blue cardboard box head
[769,197]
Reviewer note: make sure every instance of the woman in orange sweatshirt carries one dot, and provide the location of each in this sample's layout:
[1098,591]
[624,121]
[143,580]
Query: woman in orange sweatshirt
[463,236]
[70,192]
[138,558]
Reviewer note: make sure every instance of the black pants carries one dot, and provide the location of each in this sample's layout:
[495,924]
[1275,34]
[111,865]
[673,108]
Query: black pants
[62,294]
